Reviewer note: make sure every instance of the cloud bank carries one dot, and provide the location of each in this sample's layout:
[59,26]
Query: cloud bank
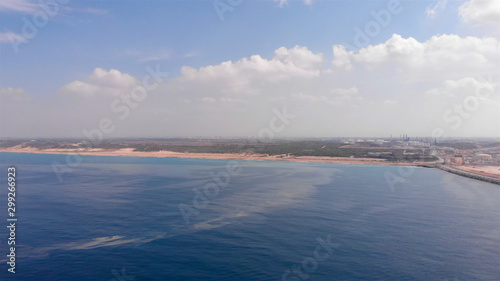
[399,86]
[481,12]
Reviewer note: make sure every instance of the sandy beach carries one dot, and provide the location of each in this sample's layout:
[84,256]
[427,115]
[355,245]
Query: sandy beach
[490,171]
[129,152]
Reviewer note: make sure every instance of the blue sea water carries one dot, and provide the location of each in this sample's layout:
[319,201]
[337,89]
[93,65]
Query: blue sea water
[118,218]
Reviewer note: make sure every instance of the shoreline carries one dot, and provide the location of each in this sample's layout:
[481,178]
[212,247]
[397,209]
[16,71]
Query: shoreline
[128,152]
[468,174]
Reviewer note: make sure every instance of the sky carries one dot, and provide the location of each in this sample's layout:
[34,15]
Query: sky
[241,68]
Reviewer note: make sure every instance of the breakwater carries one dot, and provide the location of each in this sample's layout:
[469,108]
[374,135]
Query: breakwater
[468,174]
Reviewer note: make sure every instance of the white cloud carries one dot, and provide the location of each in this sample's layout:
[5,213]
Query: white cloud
[336,99]
[191,55]
[33,7]
[11,37]
[379,90]
[431,11]
[22,6]
[286,64]
[18,94]
[285,2]
[102,82]
[238,77]
[342,57]
[160,56]
[439,57]
[467,86]
[481,12]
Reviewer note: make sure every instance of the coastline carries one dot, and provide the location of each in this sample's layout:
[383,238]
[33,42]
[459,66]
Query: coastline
[129,152]
[468,174]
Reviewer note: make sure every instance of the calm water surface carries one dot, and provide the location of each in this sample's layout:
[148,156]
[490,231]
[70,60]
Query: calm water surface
[118,218]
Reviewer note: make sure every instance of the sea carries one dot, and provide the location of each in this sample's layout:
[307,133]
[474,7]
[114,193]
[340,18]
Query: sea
[132,218]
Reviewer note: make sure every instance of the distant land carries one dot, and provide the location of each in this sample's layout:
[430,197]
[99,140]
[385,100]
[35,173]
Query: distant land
[476,158]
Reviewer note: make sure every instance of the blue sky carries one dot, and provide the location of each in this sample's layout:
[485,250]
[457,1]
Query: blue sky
[190,33]
[130,35]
